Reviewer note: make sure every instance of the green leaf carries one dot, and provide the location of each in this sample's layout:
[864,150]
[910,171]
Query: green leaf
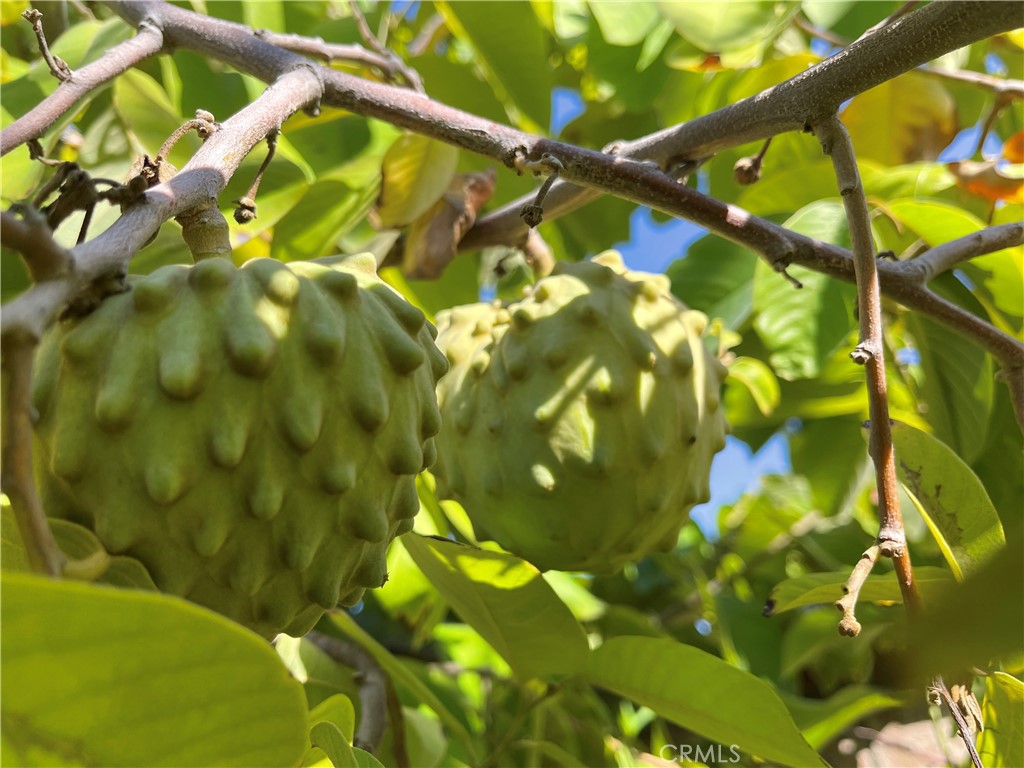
[511,48]
[817,588]
[972,622]
[951,499]
[958,384]
[759,380]
[508,602]
[625,23]
[746,26]
[326,736]
[803,327]
[998,277]
[312,228]
[716,277]
[832,456]
[823,720]
[1002,742]
[337,710]
[703,694]
[788,188]
[415,173]
[143,106]
[104,676]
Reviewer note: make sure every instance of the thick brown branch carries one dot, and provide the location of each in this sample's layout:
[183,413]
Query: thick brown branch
[199,183]
[638,182]
[870,352]
[816,93]
[84,81]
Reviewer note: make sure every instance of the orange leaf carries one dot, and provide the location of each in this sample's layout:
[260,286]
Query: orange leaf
[987,181]
[1013,149]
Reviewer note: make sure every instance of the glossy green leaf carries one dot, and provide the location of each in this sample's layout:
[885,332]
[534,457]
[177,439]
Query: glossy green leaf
[831,454]
[999,276]
[818,588]
[312,228]
[716,277]
[802,327]
[958,383]
[134,678]
[337,710]
[786,189]
[327,736]
[689,687]
[625,23]
[1002,742]
[508,602]
[511,48]
[145,108]
[416,172]
[759,380]
[951,499]
[823,720]
[745,25]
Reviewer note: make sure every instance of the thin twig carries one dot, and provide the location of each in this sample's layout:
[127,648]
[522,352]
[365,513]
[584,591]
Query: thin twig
[870,352]
[947,256]
[58,67]
[373,687]
[938,688]
[88,79]
[17,479]
[246,210]
[847,604]
[201,180]
[389,65]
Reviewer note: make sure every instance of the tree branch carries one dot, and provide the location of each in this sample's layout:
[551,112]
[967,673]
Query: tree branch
[199,183]
[870,352]
[35,123]
[947,256]
[373,687]
[816,93]
[640,182]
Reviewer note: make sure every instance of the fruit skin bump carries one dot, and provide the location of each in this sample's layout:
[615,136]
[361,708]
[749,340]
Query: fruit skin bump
[579,424]
[251,435]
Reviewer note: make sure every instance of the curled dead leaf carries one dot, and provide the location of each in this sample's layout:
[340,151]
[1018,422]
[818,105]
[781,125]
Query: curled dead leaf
[433,238]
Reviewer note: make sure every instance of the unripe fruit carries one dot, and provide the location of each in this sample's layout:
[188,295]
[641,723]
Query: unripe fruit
[579,424]
[251,435]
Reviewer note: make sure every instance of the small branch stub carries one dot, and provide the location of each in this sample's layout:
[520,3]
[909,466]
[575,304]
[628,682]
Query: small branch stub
[848,624]
[58,67]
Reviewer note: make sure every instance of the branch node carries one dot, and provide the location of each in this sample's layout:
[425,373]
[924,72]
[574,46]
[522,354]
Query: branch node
[863,353]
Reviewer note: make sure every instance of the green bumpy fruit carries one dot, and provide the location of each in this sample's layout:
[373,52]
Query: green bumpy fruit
[251,435]
[579,424]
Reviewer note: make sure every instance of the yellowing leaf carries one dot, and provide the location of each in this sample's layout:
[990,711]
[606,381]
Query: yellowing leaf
[1013,148]
[904,120]
[416,173]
